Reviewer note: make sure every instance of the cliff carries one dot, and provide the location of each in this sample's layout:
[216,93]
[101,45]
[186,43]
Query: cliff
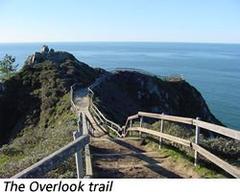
[124,93]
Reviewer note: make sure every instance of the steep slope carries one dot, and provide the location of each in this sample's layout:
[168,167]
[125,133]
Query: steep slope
[31,96]
[35,111]
[125,93]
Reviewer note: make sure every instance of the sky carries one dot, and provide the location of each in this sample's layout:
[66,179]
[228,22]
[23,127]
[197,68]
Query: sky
[216,21]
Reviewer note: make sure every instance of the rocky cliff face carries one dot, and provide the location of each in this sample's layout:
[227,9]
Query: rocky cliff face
[125,93]
[31,96]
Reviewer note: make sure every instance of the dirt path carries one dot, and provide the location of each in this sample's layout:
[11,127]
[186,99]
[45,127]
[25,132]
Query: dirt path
[82,102]
[127,158]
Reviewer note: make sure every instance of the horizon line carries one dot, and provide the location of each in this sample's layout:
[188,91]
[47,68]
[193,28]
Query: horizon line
[118,41]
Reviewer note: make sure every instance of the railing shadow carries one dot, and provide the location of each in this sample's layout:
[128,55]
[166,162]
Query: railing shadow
[153,164]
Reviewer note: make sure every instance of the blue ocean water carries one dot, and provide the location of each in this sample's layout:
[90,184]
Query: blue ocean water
[214,69]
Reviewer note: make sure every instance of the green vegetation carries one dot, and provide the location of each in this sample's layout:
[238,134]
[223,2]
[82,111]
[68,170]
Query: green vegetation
[185,160]
[224,148]
[7,67]
[35,143]
[35,112]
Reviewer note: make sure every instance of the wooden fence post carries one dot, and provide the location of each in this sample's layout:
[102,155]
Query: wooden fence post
[197,130]
[130,125]
[161,130]
[140,124]
[78,155]
[80,130]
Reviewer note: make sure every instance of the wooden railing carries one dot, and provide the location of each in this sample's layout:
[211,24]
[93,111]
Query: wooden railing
[198,124]
[101,119]
[84,127]
[72,89]
[80,143]
[52,161]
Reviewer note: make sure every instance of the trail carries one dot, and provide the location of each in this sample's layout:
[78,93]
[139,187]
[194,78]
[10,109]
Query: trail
[126,157]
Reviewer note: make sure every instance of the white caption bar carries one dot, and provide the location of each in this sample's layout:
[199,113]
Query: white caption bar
[119,185]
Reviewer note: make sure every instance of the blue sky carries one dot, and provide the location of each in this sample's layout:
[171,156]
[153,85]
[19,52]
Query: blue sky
[120,20]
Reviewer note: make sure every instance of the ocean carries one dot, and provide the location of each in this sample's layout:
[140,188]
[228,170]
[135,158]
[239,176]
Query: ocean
[214,69]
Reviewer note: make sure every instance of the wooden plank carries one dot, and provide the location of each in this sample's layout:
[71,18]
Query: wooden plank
[114,130]
[94,122]
[53,160]
[88,162]
[197,133]
[99,112]
[163,135]
[84,124]
[91,91]
[218,129]
[72,97]
[107,120]
[161,131]
[98,116]
[234,171]
[190,121]
[132,117]
[101,116]
[177,119]
[78,157]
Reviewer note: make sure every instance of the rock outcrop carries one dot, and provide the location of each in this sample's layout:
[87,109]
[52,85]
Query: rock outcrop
[50,55]
[127,92]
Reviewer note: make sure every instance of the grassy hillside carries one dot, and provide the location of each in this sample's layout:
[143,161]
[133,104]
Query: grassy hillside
[35,111]
[34,143]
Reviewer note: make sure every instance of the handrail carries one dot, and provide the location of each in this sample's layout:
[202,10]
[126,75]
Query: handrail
[132,117]
[162,135]
[72,97]
[110,124]
[178,119]
[107,120]
[81,141]
[234,171]
[88,161]
[234,134]
[53,160]
[83,128]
